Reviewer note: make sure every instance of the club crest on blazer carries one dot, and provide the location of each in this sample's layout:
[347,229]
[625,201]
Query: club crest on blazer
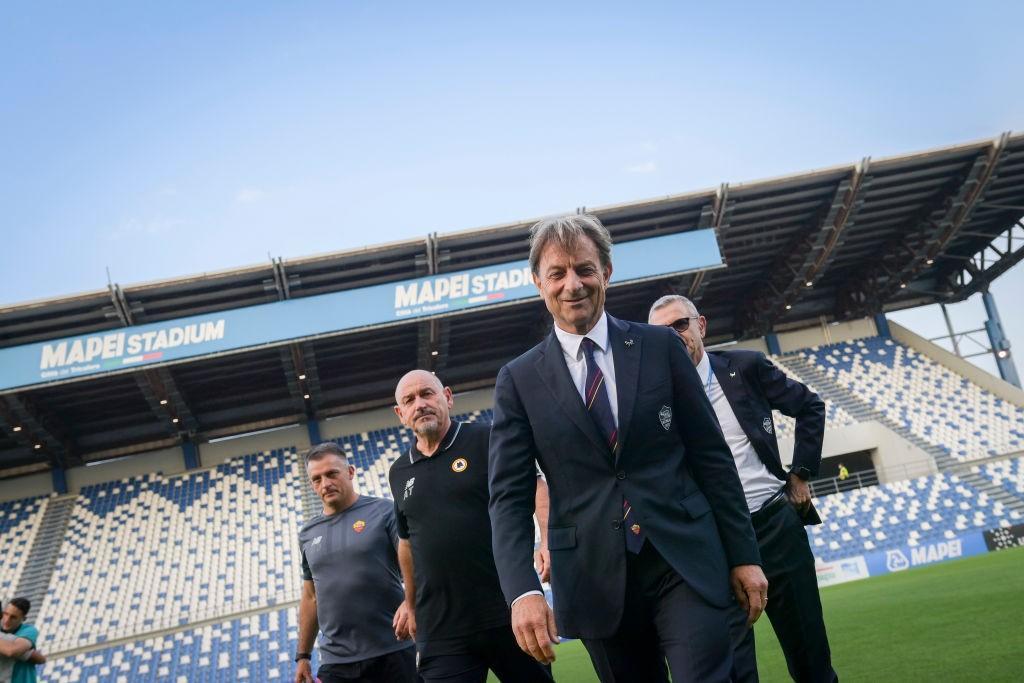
[665,416]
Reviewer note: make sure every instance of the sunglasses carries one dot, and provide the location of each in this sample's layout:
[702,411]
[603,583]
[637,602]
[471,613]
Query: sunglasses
[683,324]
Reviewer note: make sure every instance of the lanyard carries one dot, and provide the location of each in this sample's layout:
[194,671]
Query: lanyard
[711,375]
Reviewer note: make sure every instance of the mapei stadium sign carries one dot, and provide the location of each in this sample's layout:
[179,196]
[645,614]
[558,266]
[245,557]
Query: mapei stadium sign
[328,314]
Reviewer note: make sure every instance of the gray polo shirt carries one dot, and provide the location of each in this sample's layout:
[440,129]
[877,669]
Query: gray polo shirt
[352,561]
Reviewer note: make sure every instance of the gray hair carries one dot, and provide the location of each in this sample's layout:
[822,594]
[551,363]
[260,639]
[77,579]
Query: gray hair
[567,231]
[670,299]
[321,451]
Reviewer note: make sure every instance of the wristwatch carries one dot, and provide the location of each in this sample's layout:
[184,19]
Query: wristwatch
[802,473]
[303,655]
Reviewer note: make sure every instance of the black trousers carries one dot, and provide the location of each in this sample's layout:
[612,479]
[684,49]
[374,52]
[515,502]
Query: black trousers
[396,667]
[468,660]
[666,626]
[794,606]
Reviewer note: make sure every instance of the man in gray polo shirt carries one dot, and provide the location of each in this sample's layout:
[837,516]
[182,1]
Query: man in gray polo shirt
[352,585]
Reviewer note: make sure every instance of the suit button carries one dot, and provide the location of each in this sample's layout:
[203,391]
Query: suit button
[620,475]
[617,524]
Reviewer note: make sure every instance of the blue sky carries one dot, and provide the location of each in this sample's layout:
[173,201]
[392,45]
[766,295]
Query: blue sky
[165,140]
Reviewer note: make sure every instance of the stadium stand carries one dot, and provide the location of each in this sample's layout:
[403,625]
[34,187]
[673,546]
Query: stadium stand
[19,522]
[944,409]
[152,552]
[257,647]
[903,513]
[1008,474]
[835,414]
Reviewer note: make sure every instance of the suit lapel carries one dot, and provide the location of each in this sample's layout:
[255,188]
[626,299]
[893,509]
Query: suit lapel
[626,348]
[555,375]
[736,393]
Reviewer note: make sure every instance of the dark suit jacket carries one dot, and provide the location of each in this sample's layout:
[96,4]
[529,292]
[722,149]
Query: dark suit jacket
[754,387]
[673,466]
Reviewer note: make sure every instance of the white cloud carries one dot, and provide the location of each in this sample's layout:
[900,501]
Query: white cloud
[248,195]
[645,167]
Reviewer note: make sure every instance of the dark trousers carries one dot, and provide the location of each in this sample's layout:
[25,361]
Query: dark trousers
[468,659]
[794,607]
[395,667]
[664,622]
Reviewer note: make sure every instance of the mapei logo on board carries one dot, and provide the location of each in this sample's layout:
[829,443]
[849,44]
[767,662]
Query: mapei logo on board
[457,290]
[896,560]
[115,349]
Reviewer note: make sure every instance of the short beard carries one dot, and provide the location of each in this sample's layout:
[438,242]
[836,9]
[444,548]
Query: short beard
[430,430]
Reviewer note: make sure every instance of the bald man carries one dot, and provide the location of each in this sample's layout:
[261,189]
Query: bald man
[454,606]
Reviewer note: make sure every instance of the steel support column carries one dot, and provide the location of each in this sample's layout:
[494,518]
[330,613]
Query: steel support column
[1000,344]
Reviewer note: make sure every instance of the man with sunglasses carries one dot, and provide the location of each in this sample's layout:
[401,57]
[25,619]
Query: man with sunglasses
[744,387]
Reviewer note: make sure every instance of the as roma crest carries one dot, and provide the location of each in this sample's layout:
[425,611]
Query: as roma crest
[359,526]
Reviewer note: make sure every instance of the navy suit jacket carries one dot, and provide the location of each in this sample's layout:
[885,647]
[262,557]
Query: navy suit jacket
[754,387]
[672,464]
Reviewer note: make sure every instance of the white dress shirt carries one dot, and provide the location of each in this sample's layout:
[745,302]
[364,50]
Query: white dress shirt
[758,483]
[576,360]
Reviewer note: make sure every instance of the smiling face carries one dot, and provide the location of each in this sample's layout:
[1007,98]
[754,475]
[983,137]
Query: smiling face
[424,405]
[572,283]
[331,478]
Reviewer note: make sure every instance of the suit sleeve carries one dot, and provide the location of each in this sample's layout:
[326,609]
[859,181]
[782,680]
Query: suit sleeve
[710,460]
[794,399]
[512,480]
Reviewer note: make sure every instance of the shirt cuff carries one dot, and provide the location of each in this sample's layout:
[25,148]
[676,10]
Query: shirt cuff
[524,595]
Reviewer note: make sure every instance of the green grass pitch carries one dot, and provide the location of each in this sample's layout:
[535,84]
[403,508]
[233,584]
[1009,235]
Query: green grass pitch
[956,621]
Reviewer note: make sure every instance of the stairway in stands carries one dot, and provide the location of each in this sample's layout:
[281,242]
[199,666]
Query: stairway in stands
[311,505]
[861,411]
[994,491]
[35,579]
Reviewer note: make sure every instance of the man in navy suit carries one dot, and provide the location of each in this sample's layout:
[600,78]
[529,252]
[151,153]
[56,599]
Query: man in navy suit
[647,531]
[744,387]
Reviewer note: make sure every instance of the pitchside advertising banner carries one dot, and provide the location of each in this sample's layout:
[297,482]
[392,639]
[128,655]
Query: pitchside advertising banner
[903,557]
[171,340]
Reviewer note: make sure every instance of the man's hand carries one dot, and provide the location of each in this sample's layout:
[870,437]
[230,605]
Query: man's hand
[404,622]
[533,623]
[751,589]
[799,493]
[304,672]
[542,562]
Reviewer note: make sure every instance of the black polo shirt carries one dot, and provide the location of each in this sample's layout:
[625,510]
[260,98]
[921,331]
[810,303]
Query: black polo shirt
[441,508]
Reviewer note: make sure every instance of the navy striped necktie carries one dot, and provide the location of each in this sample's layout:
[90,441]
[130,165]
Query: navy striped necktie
[600,409]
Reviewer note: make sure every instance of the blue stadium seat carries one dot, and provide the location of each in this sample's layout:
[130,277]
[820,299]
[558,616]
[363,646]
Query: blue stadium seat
[153,552]
[19,521]
[929,399]
[911,512]
[253,648]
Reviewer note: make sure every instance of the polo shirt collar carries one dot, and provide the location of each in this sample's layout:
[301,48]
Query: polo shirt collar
[446,443]
[570,342]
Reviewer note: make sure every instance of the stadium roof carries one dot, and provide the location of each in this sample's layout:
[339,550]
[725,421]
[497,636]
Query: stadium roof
[833,244]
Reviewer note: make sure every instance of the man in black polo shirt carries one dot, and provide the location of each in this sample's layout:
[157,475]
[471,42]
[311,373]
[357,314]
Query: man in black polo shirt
[460,619]
[351,581]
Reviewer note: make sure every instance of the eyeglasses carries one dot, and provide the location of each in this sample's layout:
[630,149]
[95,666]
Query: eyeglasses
[683,324]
